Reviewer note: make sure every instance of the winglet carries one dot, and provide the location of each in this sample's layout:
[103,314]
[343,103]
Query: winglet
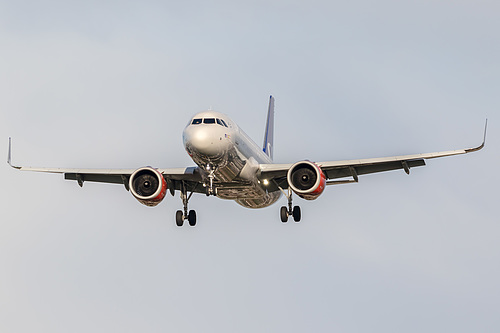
[470,150]
[9,156]
[269,134]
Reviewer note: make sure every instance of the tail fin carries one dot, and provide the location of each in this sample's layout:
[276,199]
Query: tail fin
[269,134]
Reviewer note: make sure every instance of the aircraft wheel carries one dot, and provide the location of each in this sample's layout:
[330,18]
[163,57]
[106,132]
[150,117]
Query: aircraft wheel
[284,214]
[192,218]
[296,214]
[179,218]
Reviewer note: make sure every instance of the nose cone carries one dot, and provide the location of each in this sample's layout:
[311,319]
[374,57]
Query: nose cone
[204,140]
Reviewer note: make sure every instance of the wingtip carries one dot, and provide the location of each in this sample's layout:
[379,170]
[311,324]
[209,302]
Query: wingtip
[485,128]
[481,146]
[8,155]
[9,158]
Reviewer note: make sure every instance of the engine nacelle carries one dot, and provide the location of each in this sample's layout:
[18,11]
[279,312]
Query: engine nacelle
[307,180]
[148,186]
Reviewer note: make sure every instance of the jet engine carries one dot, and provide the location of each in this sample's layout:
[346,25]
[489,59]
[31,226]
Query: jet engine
[306,179]
[148,186]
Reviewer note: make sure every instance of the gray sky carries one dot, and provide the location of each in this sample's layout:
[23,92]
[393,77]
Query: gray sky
[95,84]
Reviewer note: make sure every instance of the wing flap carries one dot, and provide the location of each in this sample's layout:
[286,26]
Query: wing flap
[95,177]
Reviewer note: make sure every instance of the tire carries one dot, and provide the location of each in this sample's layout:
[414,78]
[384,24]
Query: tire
[179,218]
[192,218]
[284,214]
[296,214]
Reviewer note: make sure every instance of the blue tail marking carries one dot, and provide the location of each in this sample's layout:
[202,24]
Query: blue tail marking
[269,134]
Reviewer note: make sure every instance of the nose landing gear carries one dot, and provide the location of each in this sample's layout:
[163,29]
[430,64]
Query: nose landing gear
[211,190]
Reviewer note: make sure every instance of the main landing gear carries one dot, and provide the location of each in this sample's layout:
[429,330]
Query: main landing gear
[181,216]
[290,211]
[184,215]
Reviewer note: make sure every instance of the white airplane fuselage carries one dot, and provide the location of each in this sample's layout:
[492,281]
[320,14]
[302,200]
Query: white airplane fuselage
[216,144]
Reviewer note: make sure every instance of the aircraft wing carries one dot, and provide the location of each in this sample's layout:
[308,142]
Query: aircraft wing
[174,176]
[353,168]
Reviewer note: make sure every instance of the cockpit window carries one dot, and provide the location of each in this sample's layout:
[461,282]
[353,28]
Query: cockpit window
[197,121]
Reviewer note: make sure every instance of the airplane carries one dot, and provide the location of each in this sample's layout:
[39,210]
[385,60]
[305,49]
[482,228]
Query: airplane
[229,165]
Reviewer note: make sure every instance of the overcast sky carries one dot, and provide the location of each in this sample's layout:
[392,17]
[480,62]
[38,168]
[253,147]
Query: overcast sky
[112,84]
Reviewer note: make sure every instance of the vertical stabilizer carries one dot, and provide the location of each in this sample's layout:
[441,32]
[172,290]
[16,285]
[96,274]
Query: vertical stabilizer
[269,134]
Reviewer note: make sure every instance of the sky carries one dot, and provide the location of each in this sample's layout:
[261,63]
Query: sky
[111,84]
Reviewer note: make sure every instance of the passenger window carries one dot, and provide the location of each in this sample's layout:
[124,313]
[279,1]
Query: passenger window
[223,122]
[209,121]
[196,121]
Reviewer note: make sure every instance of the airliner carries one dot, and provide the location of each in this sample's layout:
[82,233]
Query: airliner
[229,165]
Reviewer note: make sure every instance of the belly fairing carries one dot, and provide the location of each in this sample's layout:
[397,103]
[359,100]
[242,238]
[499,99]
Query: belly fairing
[247,194]
[264,201]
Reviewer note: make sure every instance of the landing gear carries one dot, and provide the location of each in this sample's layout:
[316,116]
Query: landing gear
[181,216]
[211,175]
[285,212]
[192,218]
[296,214]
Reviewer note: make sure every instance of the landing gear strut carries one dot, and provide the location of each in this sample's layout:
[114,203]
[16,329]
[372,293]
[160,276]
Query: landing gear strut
[210,186]
[181,216]
[285,212]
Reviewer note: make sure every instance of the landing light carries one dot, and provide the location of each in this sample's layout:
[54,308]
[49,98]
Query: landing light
[266,182]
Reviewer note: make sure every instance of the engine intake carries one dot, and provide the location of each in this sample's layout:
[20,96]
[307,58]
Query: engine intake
[148,186]
[306,179]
